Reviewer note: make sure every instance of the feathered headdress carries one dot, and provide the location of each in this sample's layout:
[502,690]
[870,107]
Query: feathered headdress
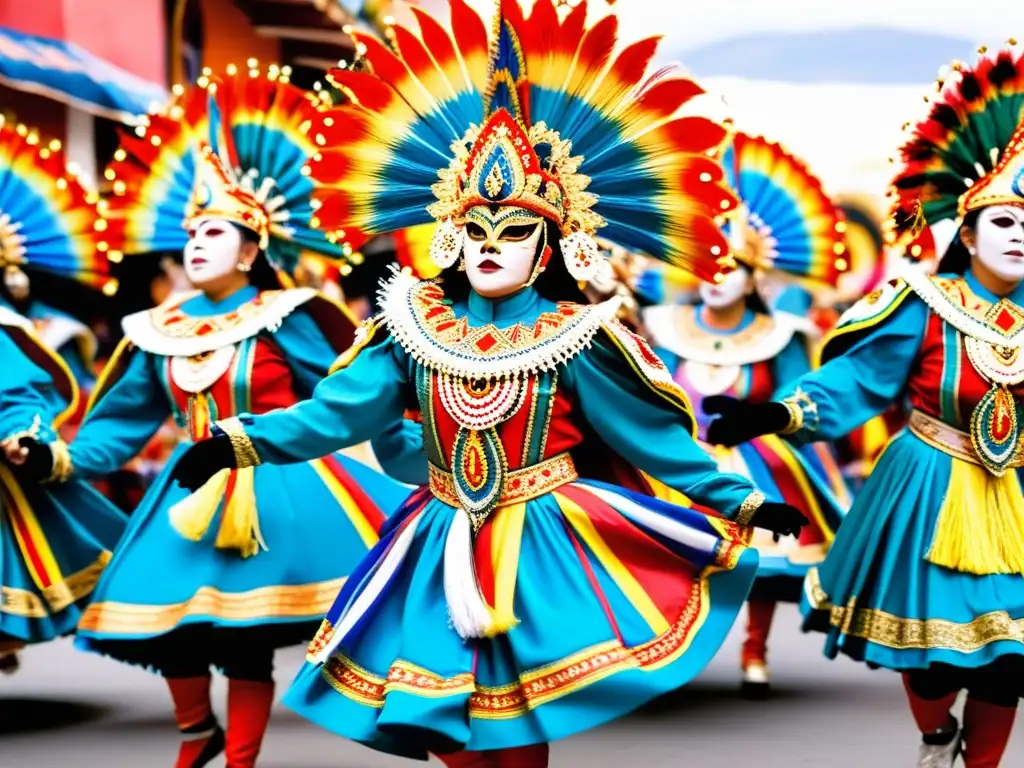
[254,126]
[865,247]
[967,153]
[48,221]
[785,220]
[539,116]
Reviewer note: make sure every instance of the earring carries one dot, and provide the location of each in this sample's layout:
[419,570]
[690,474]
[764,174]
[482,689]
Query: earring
[581,254]
[446,244]
[243,267]
[462,261]
[972,250]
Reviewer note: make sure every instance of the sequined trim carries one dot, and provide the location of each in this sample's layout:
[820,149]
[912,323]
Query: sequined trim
[276,602]
[245,451]
[520,484]
[423,323]
[749,506]
[897,633]
[953,301]
[26,603]
[167,330]
[547,683]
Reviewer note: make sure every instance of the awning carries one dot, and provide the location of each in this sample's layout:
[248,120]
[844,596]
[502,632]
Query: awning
[68,73]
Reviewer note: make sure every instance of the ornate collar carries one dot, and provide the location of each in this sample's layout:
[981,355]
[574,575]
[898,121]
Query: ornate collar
[1000,324]
[167,330]
[426,327]
[675,328]
[12,318]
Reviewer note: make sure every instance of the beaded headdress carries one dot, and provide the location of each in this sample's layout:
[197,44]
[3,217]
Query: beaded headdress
[968,153]
[537,118]
[785,220]
[48,221]
[231,147]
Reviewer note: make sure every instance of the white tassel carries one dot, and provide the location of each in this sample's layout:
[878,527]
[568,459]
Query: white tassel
[469,612]
[371,592]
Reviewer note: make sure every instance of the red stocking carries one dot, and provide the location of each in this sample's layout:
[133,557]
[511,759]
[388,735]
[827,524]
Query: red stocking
[249,704]
[468,760]
[191,697]
[533,756]
[931,715]
[986,731]
[759,623]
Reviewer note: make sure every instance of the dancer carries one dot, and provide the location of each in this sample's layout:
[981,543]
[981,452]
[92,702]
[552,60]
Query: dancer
[517,599]
[731,343]
[54,541]
[222,580]
[925,575]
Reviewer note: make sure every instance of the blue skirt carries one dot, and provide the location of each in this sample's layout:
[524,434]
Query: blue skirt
[616,598]
[54,543]
[318,519]
[878,598]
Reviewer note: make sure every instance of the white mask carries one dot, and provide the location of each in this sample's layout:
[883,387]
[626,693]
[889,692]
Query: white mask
[733,288]
[999,239]
[212,251]
[500,249]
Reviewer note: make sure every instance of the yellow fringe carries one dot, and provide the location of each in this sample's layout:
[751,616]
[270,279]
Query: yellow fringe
[505,542]
[981,524]
[192,515]
[240,527]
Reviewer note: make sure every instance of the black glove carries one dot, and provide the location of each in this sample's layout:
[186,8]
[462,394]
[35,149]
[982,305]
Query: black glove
[740,420]
[203,460]
[38,465]
[780,519]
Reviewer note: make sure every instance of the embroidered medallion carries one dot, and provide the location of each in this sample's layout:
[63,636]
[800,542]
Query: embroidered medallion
[479,469]
[481,403]
[200,372]
[995,430]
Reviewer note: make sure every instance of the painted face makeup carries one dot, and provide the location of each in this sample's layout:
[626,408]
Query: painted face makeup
[733,288]
[500,249]
[999,239]
[212,251]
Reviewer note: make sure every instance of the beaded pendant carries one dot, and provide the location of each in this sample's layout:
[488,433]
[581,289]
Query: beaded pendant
[995,430]
[479,468]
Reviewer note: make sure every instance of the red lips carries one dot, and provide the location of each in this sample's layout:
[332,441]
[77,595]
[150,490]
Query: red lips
[487,266]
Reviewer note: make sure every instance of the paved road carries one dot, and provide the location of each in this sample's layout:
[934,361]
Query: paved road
[65,708]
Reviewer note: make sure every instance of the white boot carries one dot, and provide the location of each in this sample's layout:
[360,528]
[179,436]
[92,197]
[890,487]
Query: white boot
[940,755]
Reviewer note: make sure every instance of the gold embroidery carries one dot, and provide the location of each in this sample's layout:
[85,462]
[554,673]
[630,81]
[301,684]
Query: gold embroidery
[171,321]
[245,451]
[62,466]
[749,506]
[520,484]
[365,333]
[24,602]
[891,631]
[533,688]
[277,602]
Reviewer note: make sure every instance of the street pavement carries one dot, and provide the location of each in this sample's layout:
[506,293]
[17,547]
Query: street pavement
[65,708]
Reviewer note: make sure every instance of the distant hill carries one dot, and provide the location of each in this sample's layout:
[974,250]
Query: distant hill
[879,56]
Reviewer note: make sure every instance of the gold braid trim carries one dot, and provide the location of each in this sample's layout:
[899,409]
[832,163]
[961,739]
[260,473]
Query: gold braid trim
[245,451]
[62,466]
[803,413]
[898,633]
[749,506]
[28,604]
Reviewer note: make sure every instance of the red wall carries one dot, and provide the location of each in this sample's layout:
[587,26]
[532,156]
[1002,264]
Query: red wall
[128,33]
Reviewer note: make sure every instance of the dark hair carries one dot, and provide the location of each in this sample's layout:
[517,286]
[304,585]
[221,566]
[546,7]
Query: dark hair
[753,300]
[554,283]
[263,276]
[957,258]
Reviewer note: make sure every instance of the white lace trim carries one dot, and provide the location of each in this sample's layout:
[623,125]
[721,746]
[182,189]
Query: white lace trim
[144,333]
[691,342]
[407,329]
[957,316]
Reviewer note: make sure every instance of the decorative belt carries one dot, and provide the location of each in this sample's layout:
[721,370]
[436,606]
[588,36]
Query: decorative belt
[520,484]
[950,440]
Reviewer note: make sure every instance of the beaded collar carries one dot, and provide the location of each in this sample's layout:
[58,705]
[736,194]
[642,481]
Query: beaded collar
[419,319]
[675,328]
[999,324]
[168,330]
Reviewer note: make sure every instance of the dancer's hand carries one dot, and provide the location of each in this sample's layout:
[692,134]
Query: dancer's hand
[780,519]
[740,420]
[31,459]
[203,460]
